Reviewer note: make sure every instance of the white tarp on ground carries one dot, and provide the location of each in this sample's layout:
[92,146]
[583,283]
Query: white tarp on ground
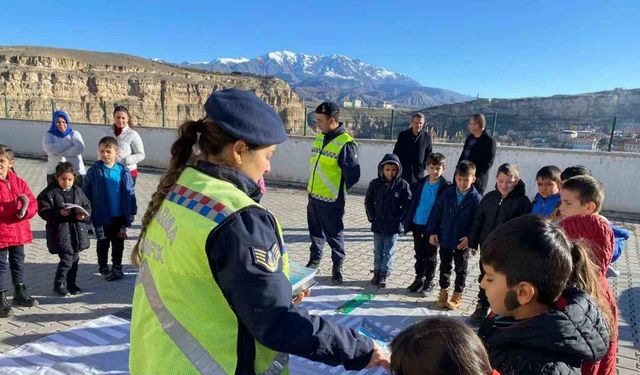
[101,346]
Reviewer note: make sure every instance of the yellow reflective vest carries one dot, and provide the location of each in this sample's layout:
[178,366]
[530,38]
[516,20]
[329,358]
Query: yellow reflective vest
[171,333]
[325,173]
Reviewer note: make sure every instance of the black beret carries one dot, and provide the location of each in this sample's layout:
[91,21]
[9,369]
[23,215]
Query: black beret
[245,116]
[328,108]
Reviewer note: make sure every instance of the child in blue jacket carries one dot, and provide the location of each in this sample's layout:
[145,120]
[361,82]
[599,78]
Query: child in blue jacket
[424,196]
[386,204]
[449,226]
[109,187]
[547,200]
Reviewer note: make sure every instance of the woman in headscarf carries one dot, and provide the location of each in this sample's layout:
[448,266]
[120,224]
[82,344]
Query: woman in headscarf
[62,143]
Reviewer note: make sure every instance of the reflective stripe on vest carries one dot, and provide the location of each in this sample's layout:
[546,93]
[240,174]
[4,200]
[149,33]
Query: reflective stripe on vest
[174,331]
[325,173]
[189,346]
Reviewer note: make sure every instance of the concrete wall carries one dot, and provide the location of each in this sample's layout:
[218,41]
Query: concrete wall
[618,172]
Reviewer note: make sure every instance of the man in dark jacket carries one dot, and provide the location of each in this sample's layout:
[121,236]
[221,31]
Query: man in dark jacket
[386,204]
[413,147]
[507,201]
[479,148]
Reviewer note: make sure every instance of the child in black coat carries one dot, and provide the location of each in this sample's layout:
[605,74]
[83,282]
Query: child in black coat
[507,201]
[66,226]
[386,204]
[549,315]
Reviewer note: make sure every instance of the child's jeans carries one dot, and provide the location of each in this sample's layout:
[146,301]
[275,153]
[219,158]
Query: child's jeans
[16,263]
[447,259]
[383,248]
[110,235]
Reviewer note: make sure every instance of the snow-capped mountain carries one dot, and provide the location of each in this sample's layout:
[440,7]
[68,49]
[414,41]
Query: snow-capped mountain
[336,77]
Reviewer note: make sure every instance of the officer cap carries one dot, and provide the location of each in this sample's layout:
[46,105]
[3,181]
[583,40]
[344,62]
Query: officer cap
[243,115]
[328,108]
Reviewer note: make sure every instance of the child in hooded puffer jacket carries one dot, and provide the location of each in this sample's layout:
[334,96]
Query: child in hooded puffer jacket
[17,207]
[386,204]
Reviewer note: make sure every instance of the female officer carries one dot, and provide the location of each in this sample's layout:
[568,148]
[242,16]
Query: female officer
[212,294]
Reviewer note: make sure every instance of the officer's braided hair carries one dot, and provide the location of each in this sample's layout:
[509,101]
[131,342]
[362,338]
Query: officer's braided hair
[211,142]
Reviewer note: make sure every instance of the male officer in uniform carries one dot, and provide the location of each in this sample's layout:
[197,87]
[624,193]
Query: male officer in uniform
[334,170]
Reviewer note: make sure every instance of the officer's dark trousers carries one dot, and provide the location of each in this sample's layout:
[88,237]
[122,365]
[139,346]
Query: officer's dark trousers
[15,254]
[449,257]
[482,296]
[109,235]
[425,253]
[325,226]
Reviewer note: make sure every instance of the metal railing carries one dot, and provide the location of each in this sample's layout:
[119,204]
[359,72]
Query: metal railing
[605,133]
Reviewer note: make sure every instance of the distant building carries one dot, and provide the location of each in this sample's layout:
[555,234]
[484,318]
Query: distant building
[583,143]
[347,104]
[387,105]
[632,145]
[357,103]
[566,135]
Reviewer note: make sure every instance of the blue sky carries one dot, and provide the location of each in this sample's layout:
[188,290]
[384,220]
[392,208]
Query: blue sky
[494,48]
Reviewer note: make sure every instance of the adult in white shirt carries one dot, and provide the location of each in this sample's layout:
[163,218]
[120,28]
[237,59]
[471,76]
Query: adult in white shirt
[62,143]
[130,147]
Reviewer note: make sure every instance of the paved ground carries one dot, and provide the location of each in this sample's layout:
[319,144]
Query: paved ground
[102,298]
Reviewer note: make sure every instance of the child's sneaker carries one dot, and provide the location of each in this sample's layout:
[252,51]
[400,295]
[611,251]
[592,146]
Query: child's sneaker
[375,279]
[116,274]
[60,291]
[426,289]
[416,284]
[442,298]
[74,289]
[382,280]
[455,301]
[104,272]
[479,314]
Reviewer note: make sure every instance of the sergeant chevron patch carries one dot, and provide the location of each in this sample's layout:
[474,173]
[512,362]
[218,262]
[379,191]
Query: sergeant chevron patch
[267,259]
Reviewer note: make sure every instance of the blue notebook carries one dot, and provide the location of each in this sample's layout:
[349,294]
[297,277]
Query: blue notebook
[301,277]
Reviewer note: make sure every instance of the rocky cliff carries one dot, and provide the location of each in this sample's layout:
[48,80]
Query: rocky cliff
[36,80]
[618,102]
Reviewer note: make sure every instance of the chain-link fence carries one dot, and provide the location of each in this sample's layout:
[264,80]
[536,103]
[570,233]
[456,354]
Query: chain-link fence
[604,133]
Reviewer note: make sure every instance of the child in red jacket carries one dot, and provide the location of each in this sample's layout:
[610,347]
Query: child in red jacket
[17,207]
[581,201]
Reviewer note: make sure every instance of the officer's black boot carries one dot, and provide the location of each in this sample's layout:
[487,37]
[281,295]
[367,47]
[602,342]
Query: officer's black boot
[336,274]
[315,264]
[376,277]
[416,284]
[382,281]
[22,298]
[5,308]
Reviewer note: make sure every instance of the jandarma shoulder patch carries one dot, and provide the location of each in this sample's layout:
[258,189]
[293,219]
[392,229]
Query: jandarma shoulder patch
[267,259]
